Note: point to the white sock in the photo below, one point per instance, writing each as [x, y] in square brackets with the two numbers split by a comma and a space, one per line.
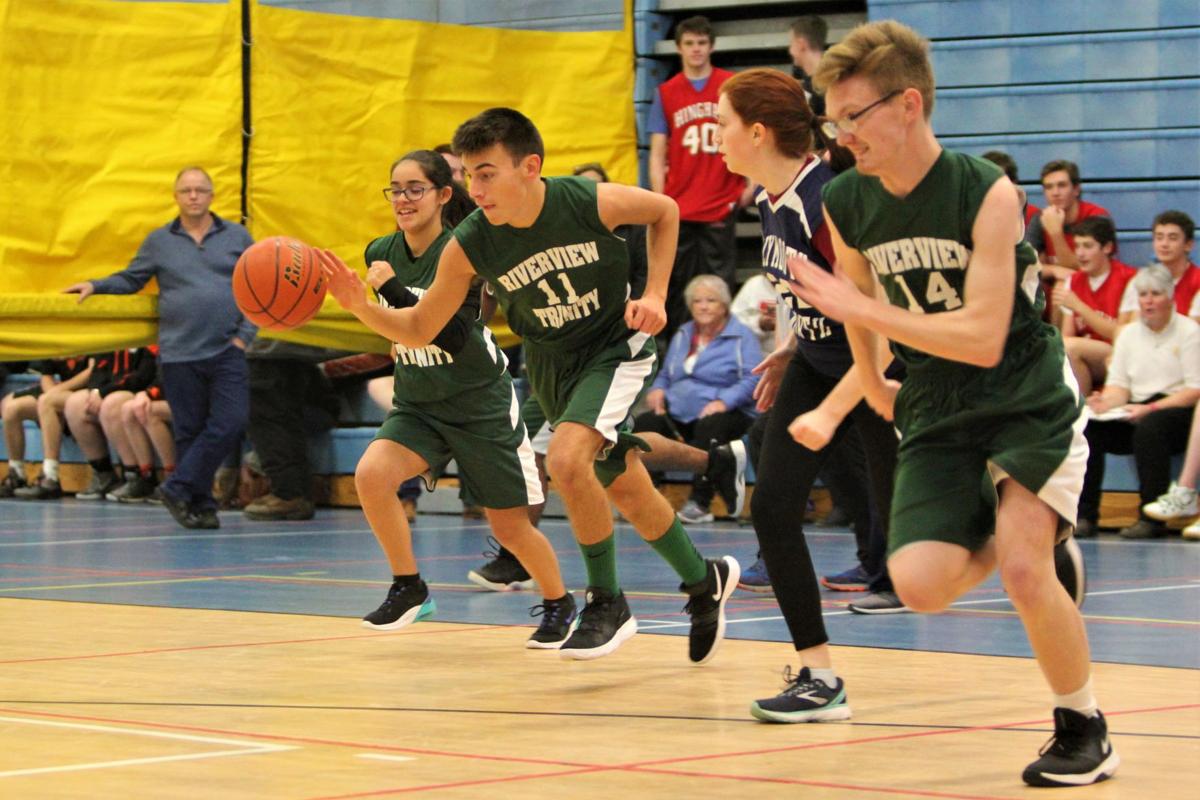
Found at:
[17, 465]
[1081, 700]
[825, 676]
[50, 469]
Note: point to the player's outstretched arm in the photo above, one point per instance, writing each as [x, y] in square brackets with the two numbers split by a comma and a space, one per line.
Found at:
[975, 332]
[410, 327]
[629, 205]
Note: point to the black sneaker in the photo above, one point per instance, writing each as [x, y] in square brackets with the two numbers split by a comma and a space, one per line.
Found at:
[805, 699]
[1068, 566]
[406, 603]
[98, 488]
[707, 607]
[503, 573]
[558, 620]
[12, 481]
[727, 472]
[206, 519]
[42, 489]
[180, 510]
[604, 624]
[134, 490]
[1077, 754]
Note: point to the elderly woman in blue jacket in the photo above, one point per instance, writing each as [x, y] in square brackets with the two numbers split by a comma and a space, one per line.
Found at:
[703, 394]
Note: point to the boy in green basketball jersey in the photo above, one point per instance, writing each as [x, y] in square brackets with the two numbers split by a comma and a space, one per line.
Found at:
[991, 459]
[546, 248]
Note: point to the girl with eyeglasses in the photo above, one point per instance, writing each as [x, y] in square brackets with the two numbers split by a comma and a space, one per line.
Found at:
[767, 132]
[453, 399]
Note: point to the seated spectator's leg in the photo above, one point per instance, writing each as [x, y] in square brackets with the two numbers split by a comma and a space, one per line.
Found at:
[14, 411]
[276, 425]
[1103, 438]
[1089, 361]
[649, 422]
[723, 427]
[668, 454]
[381, 390]
[113, 426]
[162, 437]
[1158, 436]
[50, 420]
[85, 426]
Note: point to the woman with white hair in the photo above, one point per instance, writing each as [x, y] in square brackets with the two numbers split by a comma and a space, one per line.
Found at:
[704, 392]
[1146, 405]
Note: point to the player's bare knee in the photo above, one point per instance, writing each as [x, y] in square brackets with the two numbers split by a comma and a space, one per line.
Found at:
[1025, 580]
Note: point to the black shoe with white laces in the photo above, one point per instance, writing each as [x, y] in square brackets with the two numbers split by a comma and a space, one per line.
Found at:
[406, 603]
[804, 699]
[558, 620]
[706, 605]
[1068, 566]
[727, 473]
[1078, 754]
[504, 573]
[604, 624]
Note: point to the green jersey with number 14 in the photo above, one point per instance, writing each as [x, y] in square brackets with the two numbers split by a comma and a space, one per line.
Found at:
[920, 245]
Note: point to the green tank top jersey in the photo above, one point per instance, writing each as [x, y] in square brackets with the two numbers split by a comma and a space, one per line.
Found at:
[429, 373]
[563, 282]
[920, 248]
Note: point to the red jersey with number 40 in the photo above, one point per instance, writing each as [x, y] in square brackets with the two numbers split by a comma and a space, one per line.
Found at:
[696, 175]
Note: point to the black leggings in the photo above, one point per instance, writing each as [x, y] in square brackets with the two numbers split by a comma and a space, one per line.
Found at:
[786, 472]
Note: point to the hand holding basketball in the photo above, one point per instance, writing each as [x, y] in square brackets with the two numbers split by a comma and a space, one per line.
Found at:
[278, 283]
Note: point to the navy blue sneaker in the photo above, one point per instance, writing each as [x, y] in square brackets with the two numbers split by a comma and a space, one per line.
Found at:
[755, 578]
[804, 699]
[854, 579]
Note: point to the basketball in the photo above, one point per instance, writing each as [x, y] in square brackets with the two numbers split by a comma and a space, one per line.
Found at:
[278, 283]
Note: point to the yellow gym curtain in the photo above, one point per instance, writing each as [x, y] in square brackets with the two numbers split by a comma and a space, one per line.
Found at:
[102, 101]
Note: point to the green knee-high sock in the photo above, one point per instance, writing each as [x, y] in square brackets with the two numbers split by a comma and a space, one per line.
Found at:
[601, 562]
[676, 548]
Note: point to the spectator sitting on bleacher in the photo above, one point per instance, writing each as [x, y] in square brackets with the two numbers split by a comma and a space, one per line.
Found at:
[1090, 300]
[1147, 401]
[60, 377]
[1179, 501]
[94, 411]
[1005, 162]
[50, 406]
[1174, 233]
[145, 431]
[1052, 233]
[704, 389]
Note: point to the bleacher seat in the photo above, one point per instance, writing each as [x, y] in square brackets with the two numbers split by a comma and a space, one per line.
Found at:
[967, 19]
[1068, 107]
[1122, 56]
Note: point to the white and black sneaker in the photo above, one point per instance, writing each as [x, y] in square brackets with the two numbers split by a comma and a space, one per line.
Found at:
[706, 605]
[406, 603]
[504, 573]
[1069, 567]
[727, 471]
[804, 699]
[98, 488]
[558, 621]
[604, 625]
[1079, 753]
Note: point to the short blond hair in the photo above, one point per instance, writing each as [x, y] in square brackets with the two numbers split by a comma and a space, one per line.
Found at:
[892, 56]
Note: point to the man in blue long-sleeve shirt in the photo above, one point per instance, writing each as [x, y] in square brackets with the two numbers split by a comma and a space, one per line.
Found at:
[202, 337]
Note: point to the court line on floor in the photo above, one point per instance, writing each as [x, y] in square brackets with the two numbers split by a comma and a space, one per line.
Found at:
[246, 748]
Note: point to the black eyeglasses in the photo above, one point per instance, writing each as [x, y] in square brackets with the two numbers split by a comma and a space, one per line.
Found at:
[414, 192]
[849, 123]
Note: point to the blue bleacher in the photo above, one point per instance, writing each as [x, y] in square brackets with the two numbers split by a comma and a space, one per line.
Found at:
[972, 19]
[1068, 107]
[1101, 155]
[1123, 56]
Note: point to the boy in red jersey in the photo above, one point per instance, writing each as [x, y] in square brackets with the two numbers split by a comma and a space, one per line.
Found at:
[1090, 300]
[685, 166]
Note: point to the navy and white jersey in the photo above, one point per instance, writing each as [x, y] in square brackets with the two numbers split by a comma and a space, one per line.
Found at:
[793, 223]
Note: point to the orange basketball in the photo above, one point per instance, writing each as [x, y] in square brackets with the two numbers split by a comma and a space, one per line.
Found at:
[278, 283]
